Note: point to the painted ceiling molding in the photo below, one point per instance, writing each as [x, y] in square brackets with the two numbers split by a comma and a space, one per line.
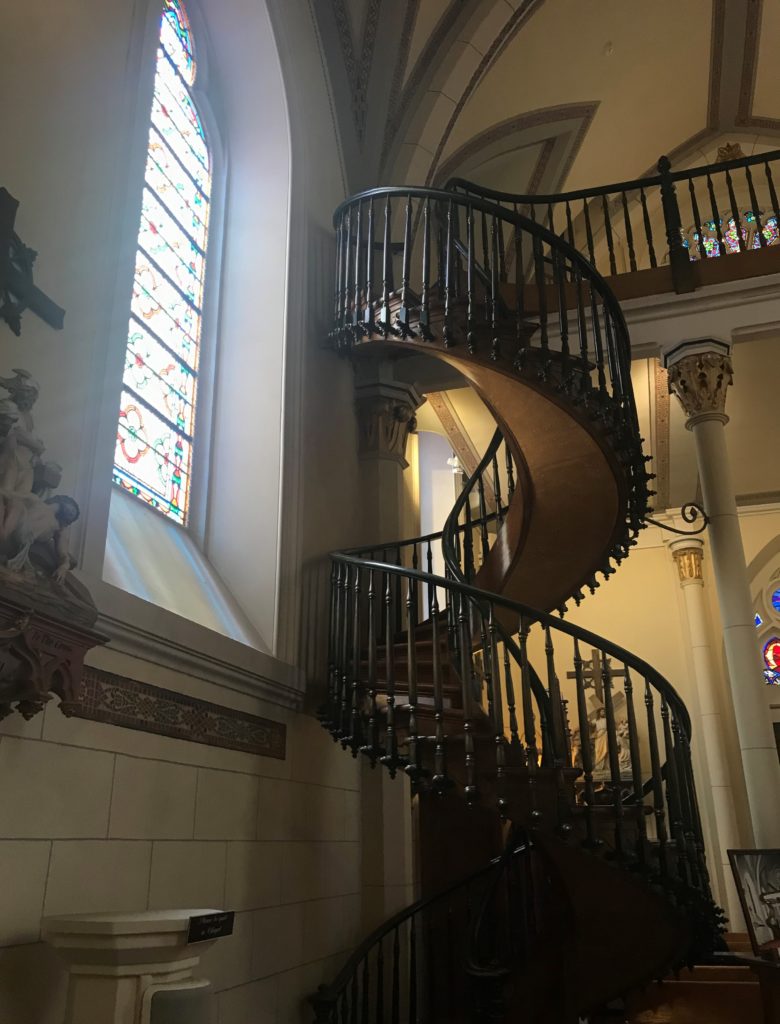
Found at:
[520, 17]
[434, 60]
[581, 114]
[745, 116]
[358, 69]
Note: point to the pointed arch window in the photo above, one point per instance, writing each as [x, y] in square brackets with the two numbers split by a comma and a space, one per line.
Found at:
[155, 436]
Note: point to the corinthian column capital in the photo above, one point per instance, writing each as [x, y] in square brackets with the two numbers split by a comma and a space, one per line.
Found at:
[699, 373]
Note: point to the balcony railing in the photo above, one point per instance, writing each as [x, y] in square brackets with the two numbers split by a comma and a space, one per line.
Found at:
[674, 218]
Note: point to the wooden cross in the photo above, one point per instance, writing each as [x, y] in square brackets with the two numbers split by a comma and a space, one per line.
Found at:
[592, 673]
[17, 291]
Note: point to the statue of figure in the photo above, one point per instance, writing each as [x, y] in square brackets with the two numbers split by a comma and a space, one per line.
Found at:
[624, 747]
[27, 519]
[600, 742]
[576, 749]
[27, 515]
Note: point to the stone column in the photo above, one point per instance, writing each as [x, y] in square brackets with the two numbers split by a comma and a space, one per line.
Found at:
[386, 411]
[687, 554]
[386, 417]
[699, 374]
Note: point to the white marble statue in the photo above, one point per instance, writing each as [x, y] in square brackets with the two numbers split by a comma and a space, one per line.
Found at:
[27, 515]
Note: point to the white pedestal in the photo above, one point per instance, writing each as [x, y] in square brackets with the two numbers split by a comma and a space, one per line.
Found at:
[118, 961]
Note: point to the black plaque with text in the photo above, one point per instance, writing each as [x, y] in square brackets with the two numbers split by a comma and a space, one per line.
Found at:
[210, 926]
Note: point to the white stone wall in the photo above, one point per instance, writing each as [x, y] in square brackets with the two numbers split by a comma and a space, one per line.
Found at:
[99, 818]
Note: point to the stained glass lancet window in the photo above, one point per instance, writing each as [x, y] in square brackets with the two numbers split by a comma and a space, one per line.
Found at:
[153, 456]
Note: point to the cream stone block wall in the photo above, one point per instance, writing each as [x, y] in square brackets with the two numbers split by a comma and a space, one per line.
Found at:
[99, 818]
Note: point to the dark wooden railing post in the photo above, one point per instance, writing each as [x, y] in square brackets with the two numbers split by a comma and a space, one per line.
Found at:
[679, 260]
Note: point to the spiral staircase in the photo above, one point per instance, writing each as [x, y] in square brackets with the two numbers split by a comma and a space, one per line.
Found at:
[473, 683]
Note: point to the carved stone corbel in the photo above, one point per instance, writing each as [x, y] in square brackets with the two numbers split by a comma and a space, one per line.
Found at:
[386, 417]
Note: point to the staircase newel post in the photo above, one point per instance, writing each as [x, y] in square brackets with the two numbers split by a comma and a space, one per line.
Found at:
[679, 259]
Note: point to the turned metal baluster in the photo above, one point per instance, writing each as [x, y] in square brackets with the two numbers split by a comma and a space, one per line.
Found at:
[391, 739]
[586, 750]
[449, 338]
[620, 386]
[541, 289]
[354, 997]
[425, 325]
[658, 790]
[398, 624]
[466, 676]
[756, 211]
[686, 809]
[636, 767]
[701, 861]
[373, 724]
[551, 219]
[588, 232]
[357, 328]
[395, 1006]
[559, 276]
[471, 338]
[673, 797]
[716, 216]
[497, 715]
[485, 250]
[648, 229]
[338, 304]
[529, 724]
[483, 530]
[772, 194]
[429, 570]
[597, 343]
[333, 643]
[356, 695]
[387, 271]
[510, 471]
[569, 226]
[412, 969]
[348, 263]
[735, 212]
[502, 274]
[519, 283]
[629, 232]
[608, 231]
[468, 544]
[614, 758]
[495, 349]
[380, 984]
[402, 317]
[368, 311]
[439, 779]
[497, 498]
[413, 767]
[697, 220]
[582, 333]
[364, 990]
[345, 687]
[554, 690]
[511, 706]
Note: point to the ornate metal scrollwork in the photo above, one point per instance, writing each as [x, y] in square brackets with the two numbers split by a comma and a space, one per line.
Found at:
[690, 513]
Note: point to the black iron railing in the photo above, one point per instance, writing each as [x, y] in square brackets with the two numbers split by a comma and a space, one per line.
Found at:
[674, 217]
[425, 266]
[426, 962]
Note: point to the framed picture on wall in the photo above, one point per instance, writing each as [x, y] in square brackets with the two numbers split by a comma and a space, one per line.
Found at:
[757, 875]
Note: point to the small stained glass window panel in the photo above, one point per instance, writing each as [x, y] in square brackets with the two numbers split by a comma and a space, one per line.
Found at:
[772, 661]
[153, 455]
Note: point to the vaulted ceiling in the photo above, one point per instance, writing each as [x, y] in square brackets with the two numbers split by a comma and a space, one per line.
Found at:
[538, 95]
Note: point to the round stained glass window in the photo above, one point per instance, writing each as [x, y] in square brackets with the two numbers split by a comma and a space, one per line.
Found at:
[776, 600]
[772, 661]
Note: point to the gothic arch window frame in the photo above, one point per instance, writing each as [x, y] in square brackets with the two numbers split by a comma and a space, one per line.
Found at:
[767, 622]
